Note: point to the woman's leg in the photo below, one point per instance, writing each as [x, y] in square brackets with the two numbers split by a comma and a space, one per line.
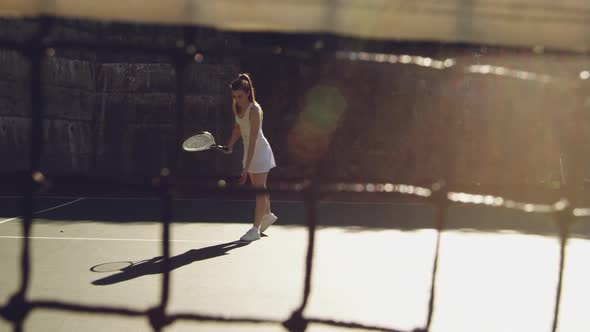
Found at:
[262, 200]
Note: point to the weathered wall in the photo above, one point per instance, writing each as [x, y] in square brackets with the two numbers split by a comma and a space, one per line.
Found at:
[410, 124]
[14, 106]
[111, 114]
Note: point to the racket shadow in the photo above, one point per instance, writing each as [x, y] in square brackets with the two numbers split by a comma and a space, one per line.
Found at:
[156, 265]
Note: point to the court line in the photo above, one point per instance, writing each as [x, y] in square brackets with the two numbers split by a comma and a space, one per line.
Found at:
[107, 239]
[49, 209]
[217, 200]
[44, 197]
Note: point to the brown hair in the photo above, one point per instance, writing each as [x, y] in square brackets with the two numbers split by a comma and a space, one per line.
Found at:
[244, 83]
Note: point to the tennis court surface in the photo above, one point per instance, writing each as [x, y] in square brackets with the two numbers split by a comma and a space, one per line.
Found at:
[497, 269]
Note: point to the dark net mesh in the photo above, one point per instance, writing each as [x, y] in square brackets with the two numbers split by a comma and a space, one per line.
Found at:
[319, 139]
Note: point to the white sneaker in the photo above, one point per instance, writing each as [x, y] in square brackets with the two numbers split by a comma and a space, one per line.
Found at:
[251, 235]
[267, 220]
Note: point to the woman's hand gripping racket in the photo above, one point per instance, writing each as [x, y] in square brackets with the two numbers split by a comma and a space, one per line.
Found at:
[203, 141]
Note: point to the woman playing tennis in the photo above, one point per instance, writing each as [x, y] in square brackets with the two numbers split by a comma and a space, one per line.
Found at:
[258, 157]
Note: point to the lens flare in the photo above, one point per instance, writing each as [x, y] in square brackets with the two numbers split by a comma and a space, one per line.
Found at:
[311, 136]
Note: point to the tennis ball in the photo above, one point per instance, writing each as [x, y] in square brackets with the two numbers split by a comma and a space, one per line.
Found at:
[221, 183]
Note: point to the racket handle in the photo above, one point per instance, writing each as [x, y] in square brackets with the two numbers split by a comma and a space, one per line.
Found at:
[222, 148]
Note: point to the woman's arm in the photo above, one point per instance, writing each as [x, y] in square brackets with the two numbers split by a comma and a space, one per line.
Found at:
[254, 128]
[235, 136]
[236, 133]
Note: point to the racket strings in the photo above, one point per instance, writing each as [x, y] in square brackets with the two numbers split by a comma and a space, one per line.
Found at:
[199, 142]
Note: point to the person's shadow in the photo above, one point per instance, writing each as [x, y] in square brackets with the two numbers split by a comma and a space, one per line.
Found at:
[156, 265]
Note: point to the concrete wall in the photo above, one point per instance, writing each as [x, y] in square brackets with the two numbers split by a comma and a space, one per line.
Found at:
[14, 111]
[111, 114]
[410, 124]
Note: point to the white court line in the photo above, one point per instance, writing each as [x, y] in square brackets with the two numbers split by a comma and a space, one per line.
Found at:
[218, 200]
[108, 239]
[52, 208]
[43, 197]
[253, 200]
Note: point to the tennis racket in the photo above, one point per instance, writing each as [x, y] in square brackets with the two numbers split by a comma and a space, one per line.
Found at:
[202, 141]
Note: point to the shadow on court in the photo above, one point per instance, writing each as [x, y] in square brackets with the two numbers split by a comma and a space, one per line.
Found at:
[155, 265]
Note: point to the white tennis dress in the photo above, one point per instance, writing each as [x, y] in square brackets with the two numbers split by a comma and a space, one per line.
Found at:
[263, 159]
